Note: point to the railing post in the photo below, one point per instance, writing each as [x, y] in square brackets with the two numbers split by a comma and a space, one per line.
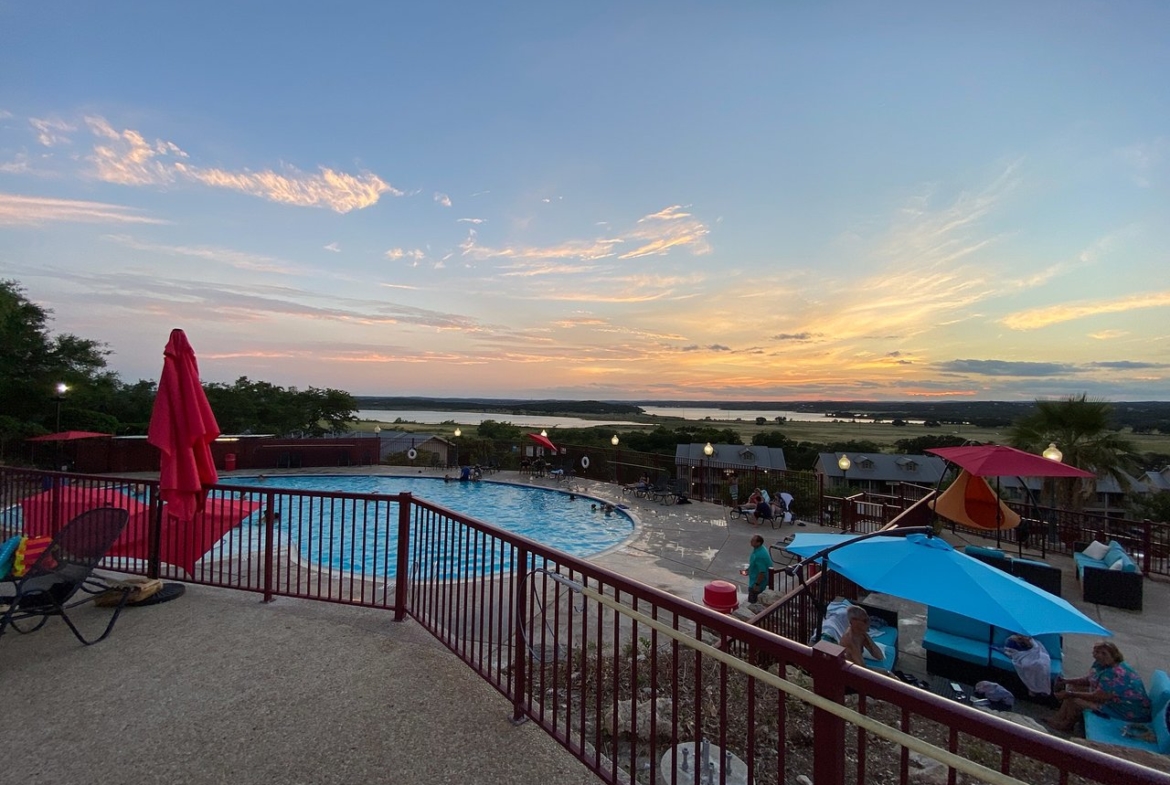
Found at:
[405, 501]
[1147, 546]
[519, 612]
[827, 662]
[269, 544]
[154, 532]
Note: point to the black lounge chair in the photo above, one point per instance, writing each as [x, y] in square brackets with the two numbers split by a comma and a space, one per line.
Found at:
[62, 572]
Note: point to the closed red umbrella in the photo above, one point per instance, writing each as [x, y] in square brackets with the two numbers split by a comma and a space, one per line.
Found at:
[182, 427]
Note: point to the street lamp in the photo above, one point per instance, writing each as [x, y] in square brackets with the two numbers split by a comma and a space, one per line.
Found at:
[615, 441]
[843, 463]
[61, 389]
[1052, 453]
[458, 433]
[705, 476]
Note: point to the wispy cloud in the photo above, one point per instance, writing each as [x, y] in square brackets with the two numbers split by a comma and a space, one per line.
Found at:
[226, 256]
[442, 199]
[1004, 368]
[1108, 335]
[394, 254]
[334, 247]
[127, 158]
[1036, 318]
[470, 220]
[36, 210]
[51, 132]
[667, 229]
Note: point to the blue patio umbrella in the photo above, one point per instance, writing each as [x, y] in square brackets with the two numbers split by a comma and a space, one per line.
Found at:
[929, 571]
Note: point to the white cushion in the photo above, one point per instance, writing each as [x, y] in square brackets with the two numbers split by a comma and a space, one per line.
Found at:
[1117, 565]
[1096, 550]
[869, 656]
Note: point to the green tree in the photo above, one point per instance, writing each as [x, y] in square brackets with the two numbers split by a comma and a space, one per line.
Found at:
[1082, 429]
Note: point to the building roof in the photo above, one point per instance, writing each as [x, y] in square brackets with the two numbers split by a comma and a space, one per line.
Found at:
[880, 467]
[738, 457]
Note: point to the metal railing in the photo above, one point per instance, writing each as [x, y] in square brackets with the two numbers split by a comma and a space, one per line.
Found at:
[632, 681]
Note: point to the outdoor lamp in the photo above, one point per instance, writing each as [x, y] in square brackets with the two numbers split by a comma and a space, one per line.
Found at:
[61, 389]
[544, 433]
[458, 433]
[614, 441]
[1052, 453]
[708, 450]
[843, 463]
[378, 431]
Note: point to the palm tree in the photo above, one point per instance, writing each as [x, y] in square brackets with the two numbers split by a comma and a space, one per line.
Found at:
[1080, 427]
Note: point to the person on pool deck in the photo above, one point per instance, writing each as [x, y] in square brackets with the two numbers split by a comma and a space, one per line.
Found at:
[762, 512]
[1111, 688]
[758, 566]
[847, 625]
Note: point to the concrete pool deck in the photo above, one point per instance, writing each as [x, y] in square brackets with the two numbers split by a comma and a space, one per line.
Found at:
[217, 686]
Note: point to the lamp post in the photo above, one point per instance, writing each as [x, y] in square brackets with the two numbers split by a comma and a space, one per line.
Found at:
[708, 451]
[60, 389]
[1052, 453]
[378, 438]
[458, 433]
[615, 441]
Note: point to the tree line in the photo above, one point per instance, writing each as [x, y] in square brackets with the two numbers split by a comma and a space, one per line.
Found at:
[33, 362]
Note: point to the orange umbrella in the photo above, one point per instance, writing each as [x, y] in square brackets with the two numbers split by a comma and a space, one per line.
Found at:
[971, 502]
[182, 427]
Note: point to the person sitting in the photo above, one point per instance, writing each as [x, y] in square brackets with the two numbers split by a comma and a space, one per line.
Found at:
[755, 498]
[1032, 662]
[847, 625]
[1111, 687]
[762, 512]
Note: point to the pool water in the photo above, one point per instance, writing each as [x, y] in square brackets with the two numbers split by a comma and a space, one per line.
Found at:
[548, 516]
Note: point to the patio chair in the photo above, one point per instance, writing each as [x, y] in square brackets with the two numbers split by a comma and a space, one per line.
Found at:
[64, 570]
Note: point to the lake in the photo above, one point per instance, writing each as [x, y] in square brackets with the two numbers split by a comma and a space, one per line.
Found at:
[697, 413]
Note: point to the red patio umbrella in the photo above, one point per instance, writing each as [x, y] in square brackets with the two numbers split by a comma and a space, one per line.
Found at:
[993, 460]
[182, 427]
[48, 511]
[184, 543]
[543, 441]
[67, 436]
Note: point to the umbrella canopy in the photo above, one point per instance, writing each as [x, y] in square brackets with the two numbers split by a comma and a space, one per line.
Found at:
[67, 436]
[929, 571]
[182, 427]
[971, 502]
[45, 513]
[993, 460]
[543, 441]
[184, 543]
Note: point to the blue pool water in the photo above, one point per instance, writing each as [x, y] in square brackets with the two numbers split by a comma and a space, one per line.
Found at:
[548, 516]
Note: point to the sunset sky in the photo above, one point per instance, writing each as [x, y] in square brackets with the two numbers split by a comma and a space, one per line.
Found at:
[689, 200]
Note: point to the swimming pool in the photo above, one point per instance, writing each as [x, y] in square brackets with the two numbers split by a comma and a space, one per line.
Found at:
[554, 518]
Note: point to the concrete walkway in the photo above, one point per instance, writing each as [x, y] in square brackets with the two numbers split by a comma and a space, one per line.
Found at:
[217, 686]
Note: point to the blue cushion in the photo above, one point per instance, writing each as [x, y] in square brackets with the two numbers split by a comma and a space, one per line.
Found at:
[956, 646]
[979, 550]
[1113, 555]
[956, 624]
[1128, 564]
[1114, 731]
[8, 554]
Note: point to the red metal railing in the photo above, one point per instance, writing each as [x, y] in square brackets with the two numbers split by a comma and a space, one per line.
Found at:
[625, 677]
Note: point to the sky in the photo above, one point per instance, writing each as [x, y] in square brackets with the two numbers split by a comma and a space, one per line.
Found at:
[621, 201]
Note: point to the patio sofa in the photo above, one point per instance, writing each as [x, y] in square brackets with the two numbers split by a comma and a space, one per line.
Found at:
[970, 651]
[1153, 736]
[1111, 579]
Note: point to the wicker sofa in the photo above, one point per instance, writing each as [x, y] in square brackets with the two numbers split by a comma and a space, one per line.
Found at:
[1102, 583]
[1037, 573]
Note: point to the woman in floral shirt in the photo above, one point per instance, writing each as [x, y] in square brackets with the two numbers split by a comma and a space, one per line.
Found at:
[1112, 688]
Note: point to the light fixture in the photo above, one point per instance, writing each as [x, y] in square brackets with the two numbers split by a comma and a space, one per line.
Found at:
[708, 450]
[614, 441]
[544, 433]
[62, 388]
[1052, 453]
[843, 463]
[458, 433]
[377, 429]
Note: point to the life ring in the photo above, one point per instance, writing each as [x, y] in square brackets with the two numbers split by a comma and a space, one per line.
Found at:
[412, 453]
[585, 462]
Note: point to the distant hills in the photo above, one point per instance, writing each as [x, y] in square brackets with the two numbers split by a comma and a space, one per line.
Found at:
[1141, 416]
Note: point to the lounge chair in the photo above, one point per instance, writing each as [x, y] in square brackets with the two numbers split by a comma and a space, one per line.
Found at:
[63, 571]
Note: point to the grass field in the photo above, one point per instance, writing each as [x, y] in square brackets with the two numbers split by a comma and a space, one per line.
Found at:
[826, 432]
